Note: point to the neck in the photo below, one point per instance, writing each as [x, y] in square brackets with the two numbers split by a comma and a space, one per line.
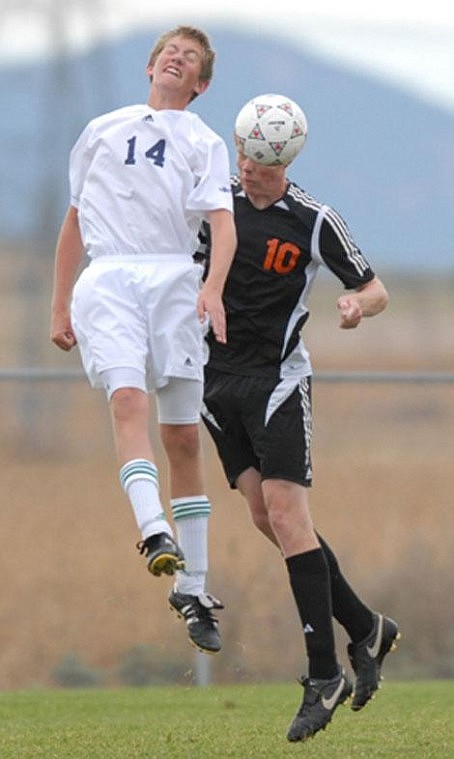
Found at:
[161, 99]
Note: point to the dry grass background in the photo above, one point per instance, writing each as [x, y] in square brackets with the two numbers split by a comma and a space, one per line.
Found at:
[382, 496]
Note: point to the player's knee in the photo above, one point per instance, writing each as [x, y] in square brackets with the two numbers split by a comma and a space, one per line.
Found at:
[278, 509]
[181, 440]
[278, 519]
[127, 402]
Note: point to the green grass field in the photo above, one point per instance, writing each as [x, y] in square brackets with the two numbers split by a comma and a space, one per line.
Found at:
[414, 720]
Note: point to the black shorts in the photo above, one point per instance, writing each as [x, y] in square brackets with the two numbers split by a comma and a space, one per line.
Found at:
[256, 422]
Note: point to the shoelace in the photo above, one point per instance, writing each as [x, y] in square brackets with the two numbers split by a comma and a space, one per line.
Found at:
[141, 547]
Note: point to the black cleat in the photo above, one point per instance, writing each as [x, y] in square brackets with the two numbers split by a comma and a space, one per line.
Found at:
[367, 657]
[162, 554]
[321, 697]
[197, 611]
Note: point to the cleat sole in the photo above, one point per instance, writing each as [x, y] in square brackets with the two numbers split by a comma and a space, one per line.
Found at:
[166, 563]
[208, 651]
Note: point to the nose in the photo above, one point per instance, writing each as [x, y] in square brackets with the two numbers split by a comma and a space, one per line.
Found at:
[177, 57]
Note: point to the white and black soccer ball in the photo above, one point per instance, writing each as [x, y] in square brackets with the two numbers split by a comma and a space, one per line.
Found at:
[270, 129]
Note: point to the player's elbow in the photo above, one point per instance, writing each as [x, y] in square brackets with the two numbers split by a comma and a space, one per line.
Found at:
[376, 297]
[382, 298]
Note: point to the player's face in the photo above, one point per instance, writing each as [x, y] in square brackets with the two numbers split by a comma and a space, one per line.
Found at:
[178, 66]
[255, 177]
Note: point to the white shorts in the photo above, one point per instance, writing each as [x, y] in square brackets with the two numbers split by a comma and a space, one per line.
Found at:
[139, 314]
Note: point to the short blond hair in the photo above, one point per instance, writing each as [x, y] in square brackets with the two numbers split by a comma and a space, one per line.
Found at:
[192, 33]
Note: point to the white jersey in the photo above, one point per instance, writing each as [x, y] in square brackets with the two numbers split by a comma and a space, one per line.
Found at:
[143, 180]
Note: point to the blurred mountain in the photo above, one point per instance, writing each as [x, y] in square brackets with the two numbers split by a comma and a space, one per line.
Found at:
[380, 156]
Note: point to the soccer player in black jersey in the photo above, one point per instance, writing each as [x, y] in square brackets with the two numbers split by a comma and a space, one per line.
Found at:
[258, 412]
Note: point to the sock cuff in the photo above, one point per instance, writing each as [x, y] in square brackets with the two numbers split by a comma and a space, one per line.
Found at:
[190, 506]
[138, 469]
[309, 562]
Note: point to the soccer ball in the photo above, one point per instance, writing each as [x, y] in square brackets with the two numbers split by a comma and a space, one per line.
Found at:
[270, 129]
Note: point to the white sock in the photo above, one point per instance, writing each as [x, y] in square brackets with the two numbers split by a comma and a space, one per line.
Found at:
[191, 522]
[140, 481]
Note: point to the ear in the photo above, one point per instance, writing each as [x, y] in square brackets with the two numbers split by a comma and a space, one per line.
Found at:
[200, 87]
[149, 70]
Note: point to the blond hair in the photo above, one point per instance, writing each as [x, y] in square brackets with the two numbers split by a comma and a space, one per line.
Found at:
[189, 32]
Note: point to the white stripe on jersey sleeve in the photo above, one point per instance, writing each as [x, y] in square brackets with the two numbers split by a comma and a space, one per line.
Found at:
[342, 231]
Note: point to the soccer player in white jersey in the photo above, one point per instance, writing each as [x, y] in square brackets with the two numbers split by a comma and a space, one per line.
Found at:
[142, 179]
[258, 412]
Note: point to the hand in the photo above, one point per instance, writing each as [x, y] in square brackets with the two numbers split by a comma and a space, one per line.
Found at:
[350, 311]
[61, 333]
[210, 303]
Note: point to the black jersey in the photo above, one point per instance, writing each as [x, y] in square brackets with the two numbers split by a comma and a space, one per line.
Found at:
[280, 249]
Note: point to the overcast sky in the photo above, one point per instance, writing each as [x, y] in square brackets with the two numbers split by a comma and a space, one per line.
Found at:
[411, 43]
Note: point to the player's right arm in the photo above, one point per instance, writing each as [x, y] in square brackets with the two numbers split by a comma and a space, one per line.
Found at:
[68, 257]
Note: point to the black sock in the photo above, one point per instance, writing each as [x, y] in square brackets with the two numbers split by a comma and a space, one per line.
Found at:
[310, 583]
[348, 609]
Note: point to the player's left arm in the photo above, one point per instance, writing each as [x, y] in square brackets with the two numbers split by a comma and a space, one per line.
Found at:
[223, 245]
[368, 300]
[366, 295]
